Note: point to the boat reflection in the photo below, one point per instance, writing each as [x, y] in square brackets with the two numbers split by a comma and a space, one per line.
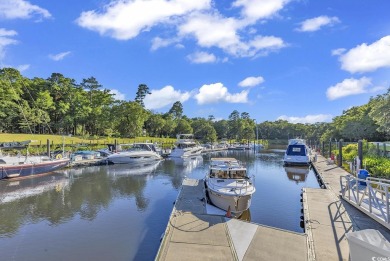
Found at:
[24, 188]
[188, 164]
[297, 174]
[133, 169]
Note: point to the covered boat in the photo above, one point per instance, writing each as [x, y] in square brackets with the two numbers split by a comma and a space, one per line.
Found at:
[12, 166]
[297, 153]
[228, 185]
[186, 146]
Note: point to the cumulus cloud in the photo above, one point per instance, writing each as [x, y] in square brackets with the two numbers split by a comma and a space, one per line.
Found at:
[124, 20]
[307, 118]
[117, 95]
[213, 30]
[367, 58]
[315, 24]
[20, 9]
[348, 87]
[185, 19]
[259, 9]
[59, 56]
[23, 67]
[339, 51]
[5, 40]
[251, 81]
[202, 57]
[165, 96]
[216, 92]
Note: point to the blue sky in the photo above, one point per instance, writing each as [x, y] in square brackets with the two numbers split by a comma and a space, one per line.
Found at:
[300, 60]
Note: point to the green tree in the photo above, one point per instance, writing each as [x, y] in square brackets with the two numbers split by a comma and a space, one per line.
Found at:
[130, 118]
[142, 91]
[176, 110]
[380, 112]
[183, 126]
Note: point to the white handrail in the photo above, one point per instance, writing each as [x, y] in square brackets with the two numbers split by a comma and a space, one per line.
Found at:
[370, 195]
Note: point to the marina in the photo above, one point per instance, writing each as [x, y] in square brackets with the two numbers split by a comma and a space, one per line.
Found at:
[123, 212]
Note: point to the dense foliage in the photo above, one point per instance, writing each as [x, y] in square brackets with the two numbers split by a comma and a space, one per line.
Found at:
[60, 105]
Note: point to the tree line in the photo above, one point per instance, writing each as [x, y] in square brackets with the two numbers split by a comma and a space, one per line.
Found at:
[60, 105]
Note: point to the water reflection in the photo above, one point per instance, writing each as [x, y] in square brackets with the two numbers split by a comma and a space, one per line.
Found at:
[297, 174]
[125, 209]
[132, 169]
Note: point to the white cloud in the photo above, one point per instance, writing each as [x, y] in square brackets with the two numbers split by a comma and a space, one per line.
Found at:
[124, 20]
[339, 51]
[260, 9]
[213, 30]
[117, 95]
[348, 87]
[216, 92]
[158, 42]
[59, 56]
[251, 81]
[202, 57]
[315, 24]
[163, 97]
[5, 40]
[23, 67]
[367, 58]
[307, 118]
[14, 9]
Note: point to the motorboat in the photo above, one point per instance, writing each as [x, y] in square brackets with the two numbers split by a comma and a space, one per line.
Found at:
[228, 185]
[186, 146]
[297, 153]
[136, 153]
[12, 166]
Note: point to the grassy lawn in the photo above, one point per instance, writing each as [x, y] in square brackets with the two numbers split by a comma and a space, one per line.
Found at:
[41, 139]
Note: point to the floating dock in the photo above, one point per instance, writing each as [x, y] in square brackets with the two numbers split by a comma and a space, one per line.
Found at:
[193, 233]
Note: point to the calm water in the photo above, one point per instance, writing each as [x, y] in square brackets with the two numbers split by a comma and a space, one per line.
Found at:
[117, 213]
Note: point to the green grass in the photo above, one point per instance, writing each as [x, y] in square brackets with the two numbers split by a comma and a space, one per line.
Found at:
[75, 143]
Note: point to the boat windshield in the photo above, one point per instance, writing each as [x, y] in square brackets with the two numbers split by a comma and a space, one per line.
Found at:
[296, 150]
[140, 146]
[228, 174]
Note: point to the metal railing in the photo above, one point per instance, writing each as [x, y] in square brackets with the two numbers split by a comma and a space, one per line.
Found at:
[371, 196]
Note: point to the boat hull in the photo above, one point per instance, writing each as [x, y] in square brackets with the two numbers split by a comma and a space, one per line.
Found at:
[237, 204]
[123, 158]
[23, 170]
[185, 153]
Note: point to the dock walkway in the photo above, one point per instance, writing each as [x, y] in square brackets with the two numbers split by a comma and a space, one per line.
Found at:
[328, 218]
[192, 234]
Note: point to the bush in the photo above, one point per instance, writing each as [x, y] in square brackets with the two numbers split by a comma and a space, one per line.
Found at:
[378, 166]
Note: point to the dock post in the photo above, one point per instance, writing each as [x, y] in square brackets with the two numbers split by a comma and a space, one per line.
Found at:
[48, 147]
[360, 154]
[340, 157]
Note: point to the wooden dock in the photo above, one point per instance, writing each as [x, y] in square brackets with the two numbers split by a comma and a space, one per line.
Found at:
[192, 234]
[328, 218]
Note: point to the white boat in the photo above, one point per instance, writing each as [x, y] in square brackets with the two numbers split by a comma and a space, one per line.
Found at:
[186, 146]
[25, 165]
[229, 186]
[297, 153]
[137, 153]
